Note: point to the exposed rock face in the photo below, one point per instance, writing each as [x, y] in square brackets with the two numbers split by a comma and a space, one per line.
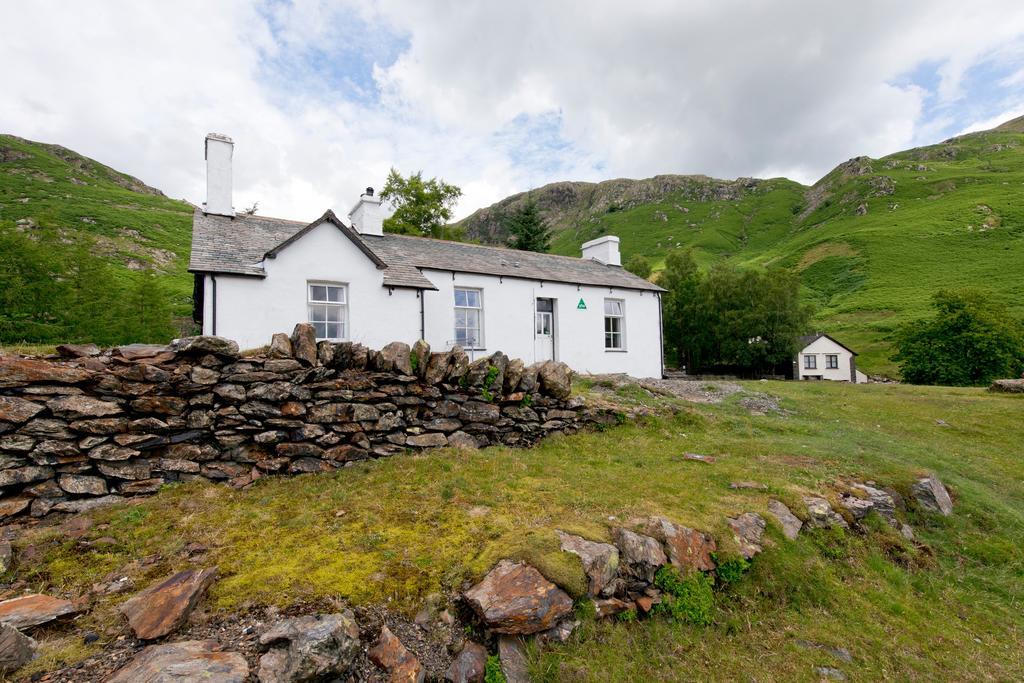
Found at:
[747, 530]
[389, 654]
[821, 515]
[304, 344]
[17, 649]
[185, 661]
[881, 501]
[790, 523]
[163, 607]
[309, 648]
[468, 666]
[515, 598]
[640, 555]
[687, 548]
[203, 344]
[33, 610]
[932, 496]
[600, 560]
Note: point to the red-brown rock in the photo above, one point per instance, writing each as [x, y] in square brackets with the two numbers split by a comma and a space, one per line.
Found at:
[17, 410]
[76, 407]
[16, 372]
[401, 665]
[515, 598]
[189, 660]
[162, 608]
[469, 666]
[33, 610]
[687, 548]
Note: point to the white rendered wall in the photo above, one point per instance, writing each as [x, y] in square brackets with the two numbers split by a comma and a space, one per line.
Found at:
[508, 322]
[250, 309]
[820, 348]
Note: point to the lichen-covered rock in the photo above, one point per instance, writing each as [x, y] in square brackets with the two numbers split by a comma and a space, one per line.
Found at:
[81, 407]
[600, 560]
[790, 523]
[280, 346]
[83, 485]
[396, 356]
[859, 508]
[304, 344]
[188, 660]
[458, 365]
[515, 598]
[24, 475]
[820, 514]
[419, 357]
[688, 549]
[640, 556]
[203, 344]
[555, 379]
[932, 495]
[513, 375]
[163, 607]
[882, 502]
[18, 410]
[391, 655]
[748, 530]
[315, 647]
[1009, 386]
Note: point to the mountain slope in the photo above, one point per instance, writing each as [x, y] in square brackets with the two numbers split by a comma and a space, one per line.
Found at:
[872, 240]
[87, 251]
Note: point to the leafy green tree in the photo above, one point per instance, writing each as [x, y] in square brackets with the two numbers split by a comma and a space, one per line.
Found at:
[971, 340]
[526, 230]
[421, 207]
[639, 266]
[684, 338]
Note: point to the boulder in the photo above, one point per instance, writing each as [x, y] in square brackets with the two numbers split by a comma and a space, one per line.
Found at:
[600, 560]
[203, 344]
[747, 531]
[304, 344]
[33, 610]
[163, 607]
[515, 598]
[555, 379]
[395, 357]
[513, 375]
[857, 507]
[314, 647]
[790, 523]
[419, 357]
[17, 649]
[512, 654]
[1009, 386]
[437, 367]
[389, 654]
[78, 350]
[468, 666]
[17, 410]
[820, 514]
[687, 548]
[187, 660]
[80, 407]
[641, 556]
[280, 346]
[882, 502]
[16, 371]
[932, 496]
[82, 485]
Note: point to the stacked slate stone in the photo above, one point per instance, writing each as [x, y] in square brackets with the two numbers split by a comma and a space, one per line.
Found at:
[94, 426]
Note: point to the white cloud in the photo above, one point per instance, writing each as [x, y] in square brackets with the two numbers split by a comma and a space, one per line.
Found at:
[323, 97]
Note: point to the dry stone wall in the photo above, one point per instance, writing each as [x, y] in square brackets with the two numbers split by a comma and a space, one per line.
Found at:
[94, 426]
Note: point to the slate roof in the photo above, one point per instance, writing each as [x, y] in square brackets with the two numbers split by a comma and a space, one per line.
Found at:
[808, 339]
[224, 245]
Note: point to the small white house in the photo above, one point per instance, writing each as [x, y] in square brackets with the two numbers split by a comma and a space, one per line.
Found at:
[822, 357]
[255, 276]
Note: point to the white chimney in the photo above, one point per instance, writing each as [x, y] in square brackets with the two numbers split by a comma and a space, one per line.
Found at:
[219, 149]
[603, 249]
[367, 217]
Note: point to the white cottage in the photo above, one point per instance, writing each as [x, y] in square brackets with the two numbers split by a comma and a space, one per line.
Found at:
[822, 357]
[255, 276]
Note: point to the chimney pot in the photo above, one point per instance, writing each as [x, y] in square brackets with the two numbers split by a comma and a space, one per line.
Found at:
[369, 192]
[367, 217]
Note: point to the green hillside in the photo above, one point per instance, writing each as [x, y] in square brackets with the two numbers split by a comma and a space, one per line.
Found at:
[86, 252]
[872, 240]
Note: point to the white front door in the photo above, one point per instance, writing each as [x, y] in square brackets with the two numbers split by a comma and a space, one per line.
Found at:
[544, 330]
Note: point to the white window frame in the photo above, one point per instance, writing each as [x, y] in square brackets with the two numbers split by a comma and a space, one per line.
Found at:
[829, 358]
[479, 345]
[810, 361]
[340, 306]
[622, 325]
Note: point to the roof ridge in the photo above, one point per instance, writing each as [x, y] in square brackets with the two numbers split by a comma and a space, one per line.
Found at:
[490, 246]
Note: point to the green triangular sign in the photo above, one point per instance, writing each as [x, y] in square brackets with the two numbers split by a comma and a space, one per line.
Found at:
[581, 305]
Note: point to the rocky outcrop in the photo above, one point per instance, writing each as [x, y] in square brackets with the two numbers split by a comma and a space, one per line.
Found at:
[189, 660]
[515, 598]
[600, 560]
[748, 530]
[820, 514]
[1008, 386]
[641, 556]
[688, 549]
[790, 523]
[309, 648]
[931, 495]
[126, 421]
[163, 607]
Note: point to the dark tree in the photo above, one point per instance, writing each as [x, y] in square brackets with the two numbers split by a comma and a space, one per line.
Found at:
[526, 230]
[639, 266]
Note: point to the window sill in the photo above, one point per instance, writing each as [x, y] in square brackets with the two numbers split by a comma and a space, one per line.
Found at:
[616, 350]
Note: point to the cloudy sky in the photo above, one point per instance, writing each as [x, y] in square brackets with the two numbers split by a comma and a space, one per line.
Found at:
[323, 96]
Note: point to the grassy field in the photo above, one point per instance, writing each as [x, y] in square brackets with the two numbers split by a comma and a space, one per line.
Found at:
[395, 530]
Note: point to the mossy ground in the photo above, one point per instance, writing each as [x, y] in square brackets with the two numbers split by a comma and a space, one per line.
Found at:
[394, 530]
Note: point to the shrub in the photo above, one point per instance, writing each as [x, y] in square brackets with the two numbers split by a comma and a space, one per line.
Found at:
[686, 599]
[730, 569]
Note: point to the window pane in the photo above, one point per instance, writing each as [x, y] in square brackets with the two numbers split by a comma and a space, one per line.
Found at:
[317, 293]
[473, 319]
[317, 313]
[460, 297]
[333, 313]
[333, 330]
[545, 305]
[473, 298]
[321, 330]
[612, 307]
[336, 294]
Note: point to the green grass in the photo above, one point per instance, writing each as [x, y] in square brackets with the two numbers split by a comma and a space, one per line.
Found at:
[957, 223]
[393, 531]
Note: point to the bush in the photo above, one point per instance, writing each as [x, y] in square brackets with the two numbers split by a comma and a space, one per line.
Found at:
[730, 569]
[639, 266]
[492, 671]
[686, 599]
